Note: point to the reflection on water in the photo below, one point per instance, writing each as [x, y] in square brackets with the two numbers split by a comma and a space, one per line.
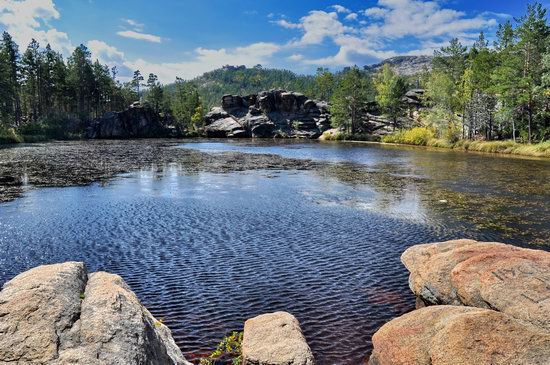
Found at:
[205, 247]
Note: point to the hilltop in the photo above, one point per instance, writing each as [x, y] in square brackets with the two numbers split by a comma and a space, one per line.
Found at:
[241, 80]
[404, 65]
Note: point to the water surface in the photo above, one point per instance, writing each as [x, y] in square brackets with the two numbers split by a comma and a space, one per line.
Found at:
[211, 233]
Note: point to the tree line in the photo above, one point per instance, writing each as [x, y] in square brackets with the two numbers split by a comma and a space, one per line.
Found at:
[41, 92]
[498, 91]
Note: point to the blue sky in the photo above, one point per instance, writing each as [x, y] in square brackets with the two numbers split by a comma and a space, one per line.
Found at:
[188, 37]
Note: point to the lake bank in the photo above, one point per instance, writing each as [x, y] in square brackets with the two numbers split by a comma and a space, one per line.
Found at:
[480, 147]
[188, 224]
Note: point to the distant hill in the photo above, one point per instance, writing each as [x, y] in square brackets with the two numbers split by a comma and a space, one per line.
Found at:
[404, 65]
[240, 80]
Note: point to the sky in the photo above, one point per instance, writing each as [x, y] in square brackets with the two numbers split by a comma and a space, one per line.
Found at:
[185, 38]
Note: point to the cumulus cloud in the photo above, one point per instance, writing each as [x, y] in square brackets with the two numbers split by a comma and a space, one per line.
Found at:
[340, 9]
[202, 60]
[28, 19]
[422, 19]
[140, 36]
[319, 25]
[426, 25]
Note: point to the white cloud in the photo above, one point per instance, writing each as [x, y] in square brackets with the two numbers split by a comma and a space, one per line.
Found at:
[352, 16]
[286, 24]
[137, 26]
[296, 57]
[319, 25]
[28, 19]
[340, 9]
[422, 19]
[202, 60]
[105, 53]
[140, 36]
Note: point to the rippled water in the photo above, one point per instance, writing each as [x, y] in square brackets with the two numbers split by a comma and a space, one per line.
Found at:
[206, 248]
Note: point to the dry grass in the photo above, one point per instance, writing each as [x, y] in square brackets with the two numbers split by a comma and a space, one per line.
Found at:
[424, 137]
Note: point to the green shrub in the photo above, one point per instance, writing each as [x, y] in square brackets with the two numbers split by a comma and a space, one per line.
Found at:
[46, 129]
[231, 346]
[417, 136]
[9, 135]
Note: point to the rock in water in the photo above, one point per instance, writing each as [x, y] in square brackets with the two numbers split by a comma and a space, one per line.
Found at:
[451, 335]
[274, 113]
[58, 314]
[275, 339]
[135, 122]
[505, 278]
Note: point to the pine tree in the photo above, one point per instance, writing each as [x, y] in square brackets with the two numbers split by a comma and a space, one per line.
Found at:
[533, 34]
[155, 92]
[136, 82]
[11, 80]
[81, 80]
[349, 99]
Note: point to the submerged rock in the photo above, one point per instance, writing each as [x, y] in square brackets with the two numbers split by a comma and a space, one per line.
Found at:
[275, 339]
[274, 113]
[450, 335]
[58, 314]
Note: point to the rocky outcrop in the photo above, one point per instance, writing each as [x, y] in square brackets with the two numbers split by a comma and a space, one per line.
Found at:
[404, 65]
[274, 113]
[275, 339]
[138, 121]
[488, 303]
[505, 278]
[450, 335]
[58, 314]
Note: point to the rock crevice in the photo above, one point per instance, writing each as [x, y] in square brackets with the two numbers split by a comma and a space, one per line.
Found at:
[487, 304]
[274, 113]
[58, 314]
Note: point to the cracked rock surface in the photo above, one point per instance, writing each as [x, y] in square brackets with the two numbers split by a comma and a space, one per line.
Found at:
[488, 304]
[58, 314]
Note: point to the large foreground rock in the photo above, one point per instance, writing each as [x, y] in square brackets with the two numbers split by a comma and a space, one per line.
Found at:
[490, 275]
[274, 113]
[451, 335]
[275, 339]
[58, 314]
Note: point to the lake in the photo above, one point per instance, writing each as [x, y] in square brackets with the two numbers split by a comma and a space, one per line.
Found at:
[209, 233]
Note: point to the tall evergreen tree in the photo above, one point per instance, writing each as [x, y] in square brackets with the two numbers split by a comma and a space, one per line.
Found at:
[349, 99]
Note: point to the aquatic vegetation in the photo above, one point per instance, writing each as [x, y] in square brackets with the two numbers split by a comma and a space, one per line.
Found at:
[230, 348]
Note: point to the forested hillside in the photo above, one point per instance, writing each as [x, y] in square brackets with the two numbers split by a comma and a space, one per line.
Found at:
[239, 80]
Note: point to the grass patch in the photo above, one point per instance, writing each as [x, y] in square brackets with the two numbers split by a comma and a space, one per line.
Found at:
[343, 136]
[417, 136]
[425, 137]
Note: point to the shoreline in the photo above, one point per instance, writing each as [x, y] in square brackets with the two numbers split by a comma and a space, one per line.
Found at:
[545, 156]
[446, 149]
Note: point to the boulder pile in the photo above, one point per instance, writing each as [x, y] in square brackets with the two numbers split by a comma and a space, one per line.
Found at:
[274, 113]
[479, 303]
[60, 314]
[138, 121]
